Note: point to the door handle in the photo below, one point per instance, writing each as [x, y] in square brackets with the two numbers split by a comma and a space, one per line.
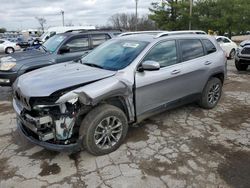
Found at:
[208, 63]
[176, 71]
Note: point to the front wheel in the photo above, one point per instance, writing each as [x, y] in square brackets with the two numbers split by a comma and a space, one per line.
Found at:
[211, 93]
[103, 129]
[239, 66]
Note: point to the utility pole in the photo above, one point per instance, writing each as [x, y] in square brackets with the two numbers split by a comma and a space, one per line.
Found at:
[190, 14]
[136, 14]
[62, 12]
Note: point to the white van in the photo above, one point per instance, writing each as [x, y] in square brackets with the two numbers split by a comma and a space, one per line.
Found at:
[56, 30]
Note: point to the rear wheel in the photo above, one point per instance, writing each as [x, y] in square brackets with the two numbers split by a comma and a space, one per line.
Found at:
[211, 93]
[9, 50]
[103, 129]
[232, 54]
[239, 66]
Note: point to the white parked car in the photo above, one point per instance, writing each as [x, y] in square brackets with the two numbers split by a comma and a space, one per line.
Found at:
[8, 47]
[227, 45]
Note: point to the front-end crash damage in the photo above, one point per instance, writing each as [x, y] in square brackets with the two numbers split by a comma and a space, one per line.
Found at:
[53, 123]
[57, 120]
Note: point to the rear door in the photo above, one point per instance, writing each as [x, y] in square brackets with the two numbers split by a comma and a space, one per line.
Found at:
[78, 46]
[195, 67]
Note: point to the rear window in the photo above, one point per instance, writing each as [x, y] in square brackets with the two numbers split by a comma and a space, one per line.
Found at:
[191, 49]
[210, 48]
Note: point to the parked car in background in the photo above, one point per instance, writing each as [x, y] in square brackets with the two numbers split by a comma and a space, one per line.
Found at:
[58, 49]
[90, 104]
[57, 30]
[242, 58]
[8, 47]
[227, 45]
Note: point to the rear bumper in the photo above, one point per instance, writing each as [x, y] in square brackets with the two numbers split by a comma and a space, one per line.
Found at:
[7, 78]
[27, 130]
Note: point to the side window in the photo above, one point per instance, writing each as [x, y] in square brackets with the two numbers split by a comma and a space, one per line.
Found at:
[225, 40]
[219, 40]
[52, 34]
[191, 49]
[78, 44]
[164, 53]
[1, 41]
[98, 39]
[209, 46]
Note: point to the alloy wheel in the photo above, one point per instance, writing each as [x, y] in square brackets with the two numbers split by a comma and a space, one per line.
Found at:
[214, 93]
[108, 132]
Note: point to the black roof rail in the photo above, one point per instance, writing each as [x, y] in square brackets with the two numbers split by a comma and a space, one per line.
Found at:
[92, 30]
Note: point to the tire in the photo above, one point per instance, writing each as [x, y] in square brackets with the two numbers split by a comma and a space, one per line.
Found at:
[96, 123]
[9, 50]
[232, 54]
[211, 94]
[240, 67]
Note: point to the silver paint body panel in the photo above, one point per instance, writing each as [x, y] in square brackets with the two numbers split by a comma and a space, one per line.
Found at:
[142, 91]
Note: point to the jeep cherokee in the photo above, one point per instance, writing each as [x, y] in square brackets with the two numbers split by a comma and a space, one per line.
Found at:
[89, 104]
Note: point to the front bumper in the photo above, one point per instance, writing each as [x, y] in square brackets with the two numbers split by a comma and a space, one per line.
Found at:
[54, 147]
[27, 130]
[7, 78]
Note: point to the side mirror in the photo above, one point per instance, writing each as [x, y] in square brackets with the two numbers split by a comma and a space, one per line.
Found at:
[150, 66]
[64, 49]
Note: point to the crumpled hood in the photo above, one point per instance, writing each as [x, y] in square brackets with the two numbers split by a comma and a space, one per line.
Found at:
[43, 82]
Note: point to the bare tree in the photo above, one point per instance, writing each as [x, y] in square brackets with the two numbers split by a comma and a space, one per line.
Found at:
[129, 22]
[42, 22]
[115, 21]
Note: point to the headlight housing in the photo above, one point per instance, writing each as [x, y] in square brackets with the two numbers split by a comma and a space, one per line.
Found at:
[5, 66]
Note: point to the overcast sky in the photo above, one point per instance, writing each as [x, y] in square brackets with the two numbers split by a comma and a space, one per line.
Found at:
[20, 14]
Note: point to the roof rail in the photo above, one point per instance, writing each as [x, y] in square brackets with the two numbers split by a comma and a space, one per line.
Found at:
[89, 30]
[198, 32]
[154, 32]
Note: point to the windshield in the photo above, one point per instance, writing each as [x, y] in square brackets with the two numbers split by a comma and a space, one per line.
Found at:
[115, 54]
[52, 43]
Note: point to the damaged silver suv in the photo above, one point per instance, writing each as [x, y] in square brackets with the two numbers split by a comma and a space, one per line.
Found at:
[90, 103]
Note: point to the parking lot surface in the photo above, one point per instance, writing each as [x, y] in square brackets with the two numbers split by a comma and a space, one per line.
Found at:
[184, 147]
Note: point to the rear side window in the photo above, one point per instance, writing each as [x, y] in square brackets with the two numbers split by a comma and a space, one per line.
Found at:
[210, 48]
[191, 49]
[78, 44]
[222, 40]
[98, 39]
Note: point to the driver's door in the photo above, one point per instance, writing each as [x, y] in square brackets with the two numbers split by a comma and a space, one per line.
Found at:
[78, 46]
[155, 88]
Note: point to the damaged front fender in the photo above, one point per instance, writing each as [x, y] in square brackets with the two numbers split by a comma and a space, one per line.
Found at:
[96, 92]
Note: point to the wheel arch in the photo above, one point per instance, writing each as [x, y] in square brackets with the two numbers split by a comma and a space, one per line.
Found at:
[119, 102]
[219, 75]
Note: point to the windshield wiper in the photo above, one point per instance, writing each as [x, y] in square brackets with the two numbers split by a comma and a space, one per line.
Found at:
[93, 65]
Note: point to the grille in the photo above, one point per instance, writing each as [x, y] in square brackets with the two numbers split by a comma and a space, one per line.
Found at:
[43, 100]
[245, 51]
